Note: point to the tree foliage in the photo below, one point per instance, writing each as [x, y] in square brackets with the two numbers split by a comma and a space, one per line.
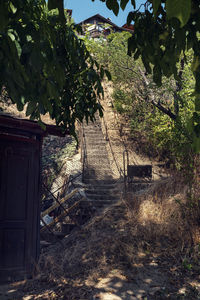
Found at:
[159, 124]
[44, 65]
[163, 32]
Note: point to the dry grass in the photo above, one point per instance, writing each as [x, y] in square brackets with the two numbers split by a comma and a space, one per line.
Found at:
[147, 223]
[142, 229]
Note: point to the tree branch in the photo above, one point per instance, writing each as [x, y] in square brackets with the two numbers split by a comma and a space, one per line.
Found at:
[151, 97]
[166, 111]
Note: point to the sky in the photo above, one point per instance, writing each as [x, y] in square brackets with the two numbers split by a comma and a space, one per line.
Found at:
[83, 9]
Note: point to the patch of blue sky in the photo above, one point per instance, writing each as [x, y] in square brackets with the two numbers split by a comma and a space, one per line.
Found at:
[83, 9]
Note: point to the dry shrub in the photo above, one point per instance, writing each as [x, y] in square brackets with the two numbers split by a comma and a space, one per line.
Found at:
[119, 237]
[159, 212]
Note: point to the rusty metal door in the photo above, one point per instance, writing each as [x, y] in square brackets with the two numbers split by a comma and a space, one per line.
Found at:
[19, 206]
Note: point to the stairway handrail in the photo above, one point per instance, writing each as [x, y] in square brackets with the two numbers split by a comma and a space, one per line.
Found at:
[83, 151]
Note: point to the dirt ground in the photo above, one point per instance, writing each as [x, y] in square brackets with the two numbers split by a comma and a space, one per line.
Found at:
[143, 247]
[140, 248]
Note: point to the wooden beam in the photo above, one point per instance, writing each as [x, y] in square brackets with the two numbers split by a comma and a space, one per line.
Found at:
[62, 215]
[50, 209]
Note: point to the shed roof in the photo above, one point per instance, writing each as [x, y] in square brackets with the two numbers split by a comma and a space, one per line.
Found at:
[8, 121]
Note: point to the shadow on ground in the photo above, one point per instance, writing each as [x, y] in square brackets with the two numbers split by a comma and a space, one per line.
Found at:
[136, 249]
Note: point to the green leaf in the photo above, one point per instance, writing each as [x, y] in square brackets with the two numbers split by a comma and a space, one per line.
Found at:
[156, 4]
[197, 130]
[12, 37]
[18, 79]
[137, 54]
[113, 5]
[30, 108]
[157, 75]
[197, 103]
[130, 17]
[123, 4]
[196, 118]
[195, 63]
[102, 73]
[18, 48]
[42, 125]
[52, 4]
[13, 8]
[133, 3]
[197, 83]
[179, 9]
[108, 75]
[20, 106]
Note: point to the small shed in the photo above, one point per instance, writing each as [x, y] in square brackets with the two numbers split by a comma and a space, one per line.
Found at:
[20, 182]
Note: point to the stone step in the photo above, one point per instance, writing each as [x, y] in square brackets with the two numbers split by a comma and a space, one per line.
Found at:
[101, 146]
[94, 134]
[96, 143]
[102, 161]
[96, 168]
[92, 127]
[93, 131]
[97, 203]
[93, 163]
[101, 182]
[93, 169]
[93, 156]
[97, 177]
[92, 144]
[97, 149]
[102, 192]
[108, 187]
[94, 137]
[101, 189]
[99, 155]
[95, 152]
[100, 197]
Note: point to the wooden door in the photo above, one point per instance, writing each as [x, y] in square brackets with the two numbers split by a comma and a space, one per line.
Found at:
[19, 206]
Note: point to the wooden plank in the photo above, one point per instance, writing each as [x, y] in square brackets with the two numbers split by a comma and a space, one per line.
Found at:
[46, 225]
[62, 215]
[50, 209]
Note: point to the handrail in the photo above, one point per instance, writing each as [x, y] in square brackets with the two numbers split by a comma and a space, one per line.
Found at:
[125, 159]
[83, 152]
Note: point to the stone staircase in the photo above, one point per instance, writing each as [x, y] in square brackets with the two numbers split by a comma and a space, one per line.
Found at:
[101, 188]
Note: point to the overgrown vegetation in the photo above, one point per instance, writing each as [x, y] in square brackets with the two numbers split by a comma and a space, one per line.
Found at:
[164, 30]
[153, 112]
[144, 246]
[159, 118]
